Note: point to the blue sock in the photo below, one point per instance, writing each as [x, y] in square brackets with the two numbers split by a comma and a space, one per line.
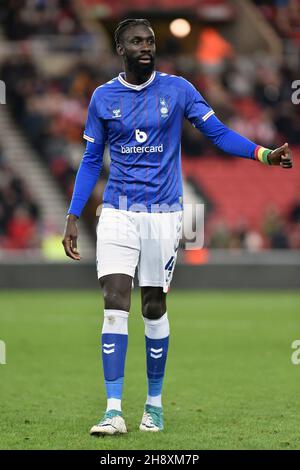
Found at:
[157, 343]
[114, 348]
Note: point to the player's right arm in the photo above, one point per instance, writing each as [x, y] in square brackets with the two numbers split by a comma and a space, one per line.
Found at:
[86, 177]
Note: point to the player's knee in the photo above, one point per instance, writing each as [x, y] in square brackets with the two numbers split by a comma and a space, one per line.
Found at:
[153, 310]
[114, 300]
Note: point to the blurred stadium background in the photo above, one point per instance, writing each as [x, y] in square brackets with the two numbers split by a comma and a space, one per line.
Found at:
[243, 56]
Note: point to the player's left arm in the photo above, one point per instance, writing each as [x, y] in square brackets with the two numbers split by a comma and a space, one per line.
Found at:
[202, 116]
[235, 144]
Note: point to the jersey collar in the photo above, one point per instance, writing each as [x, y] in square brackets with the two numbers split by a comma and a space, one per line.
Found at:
[136, 87]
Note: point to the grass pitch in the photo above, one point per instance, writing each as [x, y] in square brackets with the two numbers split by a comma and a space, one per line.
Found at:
[230, 383]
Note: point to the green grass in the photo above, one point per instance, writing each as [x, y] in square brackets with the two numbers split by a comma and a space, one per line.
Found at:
[230, 383]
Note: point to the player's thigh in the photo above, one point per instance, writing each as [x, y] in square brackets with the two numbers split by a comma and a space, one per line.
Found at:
[118, 244]
[159, 249]
[116, 291]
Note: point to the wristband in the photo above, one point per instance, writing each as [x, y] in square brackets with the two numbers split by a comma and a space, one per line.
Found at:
[261, 154]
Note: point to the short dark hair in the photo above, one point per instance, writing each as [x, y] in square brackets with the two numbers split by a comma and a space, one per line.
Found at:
[128, 23]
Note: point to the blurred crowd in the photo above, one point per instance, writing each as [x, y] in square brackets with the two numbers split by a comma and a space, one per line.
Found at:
[251, 94]
[283, 14]
[51, 112]
[23, 19]
[277, 232]
[19, 213]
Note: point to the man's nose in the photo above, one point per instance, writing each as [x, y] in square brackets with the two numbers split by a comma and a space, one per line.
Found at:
[145, 46]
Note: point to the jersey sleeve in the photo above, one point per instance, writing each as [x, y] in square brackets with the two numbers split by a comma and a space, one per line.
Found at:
[94, 128]
[86, 177]
[197, 110]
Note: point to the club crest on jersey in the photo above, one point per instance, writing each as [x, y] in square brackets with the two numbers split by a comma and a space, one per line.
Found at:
[164, 111]
[116, 113]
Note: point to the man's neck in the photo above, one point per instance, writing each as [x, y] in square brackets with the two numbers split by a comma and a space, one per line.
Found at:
[137, 79]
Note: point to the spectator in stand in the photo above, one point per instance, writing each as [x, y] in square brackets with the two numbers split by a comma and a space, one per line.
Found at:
[21, 230]
[294, 215]
[213, 50]
[274, 229]
[287, 15]
[253, 122]
[253, 241]
[19, 214]
[24, 18]
[294, 237]
[279, 239]
[284, 14]
[220, 236]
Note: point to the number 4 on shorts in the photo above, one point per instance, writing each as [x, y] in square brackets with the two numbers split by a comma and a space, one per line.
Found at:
[170, 264]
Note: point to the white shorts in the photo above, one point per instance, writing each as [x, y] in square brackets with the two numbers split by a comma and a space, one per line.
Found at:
[149, 241]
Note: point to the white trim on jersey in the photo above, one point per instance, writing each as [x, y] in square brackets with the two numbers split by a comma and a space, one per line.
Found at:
[136, 87]
[207, 115]
[90, 139]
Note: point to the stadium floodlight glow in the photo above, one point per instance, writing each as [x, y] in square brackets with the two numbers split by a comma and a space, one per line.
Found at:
[180, 28]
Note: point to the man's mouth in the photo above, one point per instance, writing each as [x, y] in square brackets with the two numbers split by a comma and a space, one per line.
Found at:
[145, 59]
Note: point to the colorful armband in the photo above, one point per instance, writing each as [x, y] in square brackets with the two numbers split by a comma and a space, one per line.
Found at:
[261, 154]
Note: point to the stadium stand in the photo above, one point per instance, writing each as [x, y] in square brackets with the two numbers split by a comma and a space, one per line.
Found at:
[23, 19]
[51, 112]
[20, 216]
[249, 92]
[252, 94]
[216, 10]
[284, 15]
[231, 185]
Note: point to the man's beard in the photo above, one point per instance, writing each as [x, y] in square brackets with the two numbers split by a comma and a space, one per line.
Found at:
[138, 68]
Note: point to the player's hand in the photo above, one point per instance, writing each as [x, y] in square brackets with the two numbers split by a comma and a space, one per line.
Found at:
[70, 238]
[281, 156]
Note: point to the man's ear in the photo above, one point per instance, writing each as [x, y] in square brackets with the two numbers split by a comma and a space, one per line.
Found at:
[120, 49]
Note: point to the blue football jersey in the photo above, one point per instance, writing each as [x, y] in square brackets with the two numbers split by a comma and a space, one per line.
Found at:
[142, 124]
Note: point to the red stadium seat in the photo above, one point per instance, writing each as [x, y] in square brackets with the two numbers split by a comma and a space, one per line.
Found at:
[239, 188]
